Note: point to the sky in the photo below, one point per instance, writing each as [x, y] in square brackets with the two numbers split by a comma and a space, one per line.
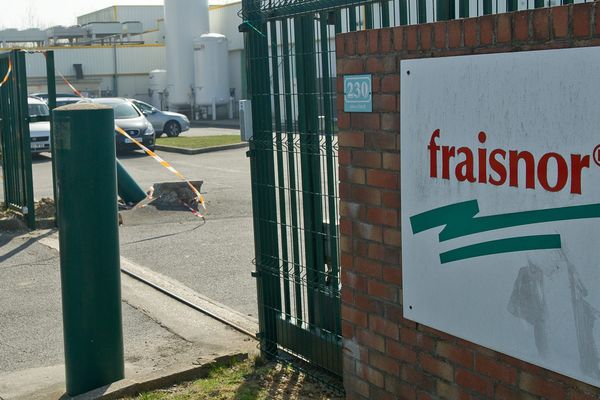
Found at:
[23, 14]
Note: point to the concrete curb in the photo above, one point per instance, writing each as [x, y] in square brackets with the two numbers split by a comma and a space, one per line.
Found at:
[181, 150]
[214, 124]
[159, 380]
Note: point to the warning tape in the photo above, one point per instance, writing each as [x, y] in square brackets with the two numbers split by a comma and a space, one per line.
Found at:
[152, 154]
[7, 73]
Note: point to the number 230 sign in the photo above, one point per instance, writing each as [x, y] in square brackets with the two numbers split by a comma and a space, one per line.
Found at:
[357, 93]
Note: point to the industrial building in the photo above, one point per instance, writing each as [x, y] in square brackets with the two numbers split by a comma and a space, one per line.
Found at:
[125, 50]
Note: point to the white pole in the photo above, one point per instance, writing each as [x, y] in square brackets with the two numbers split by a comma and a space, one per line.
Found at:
[214, 109]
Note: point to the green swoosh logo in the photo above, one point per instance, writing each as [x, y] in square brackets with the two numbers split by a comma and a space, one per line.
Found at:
[460, 220]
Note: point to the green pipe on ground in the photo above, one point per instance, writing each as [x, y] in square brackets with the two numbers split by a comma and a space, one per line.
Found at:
[89, 245]
[127, 188]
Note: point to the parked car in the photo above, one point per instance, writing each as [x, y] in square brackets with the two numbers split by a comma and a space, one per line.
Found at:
[63, 101]
[129, 118]
[44, 96]
[39, 125]
[163, 121]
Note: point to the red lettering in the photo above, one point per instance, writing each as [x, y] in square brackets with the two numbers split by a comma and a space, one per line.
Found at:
[577, 164]
[498, 167]
[464, 169]
[513, 158]
[447, 154]
[433, 149]
[562, 173]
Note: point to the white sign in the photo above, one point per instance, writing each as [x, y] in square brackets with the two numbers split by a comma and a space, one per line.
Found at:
[500, 185]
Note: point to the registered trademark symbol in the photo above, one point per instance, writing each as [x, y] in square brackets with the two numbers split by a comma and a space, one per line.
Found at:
[596, 155]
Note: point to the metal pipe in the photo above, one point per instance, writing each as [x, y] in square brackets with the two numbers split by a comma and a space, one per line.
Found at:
[89, 246]
[127, 188]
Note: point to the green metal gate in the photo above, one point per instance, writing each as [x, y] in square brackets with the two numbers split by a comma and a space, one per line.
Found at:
[290, 71]
[15, 141]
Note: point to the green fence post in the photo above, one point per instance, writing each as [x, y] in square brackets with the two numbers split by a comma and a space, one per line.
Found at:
[51, 84]
[89, 245]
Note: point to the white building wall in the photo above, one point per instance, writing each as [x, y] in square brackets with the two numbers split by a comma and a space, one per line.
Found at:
[147, 15]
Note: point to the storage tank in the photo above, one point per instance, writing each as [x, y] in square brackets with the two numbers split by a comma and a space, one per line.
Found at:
[157, 84]
[211, 70]
[184, 21]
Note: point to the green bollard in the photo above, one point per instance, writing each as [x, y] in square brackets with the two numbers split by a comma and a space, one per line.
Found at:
[89, 245]
[127, 188]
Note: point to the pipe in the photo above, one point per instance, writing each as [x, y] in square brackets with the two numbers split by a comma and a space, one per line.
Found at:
[127, 188]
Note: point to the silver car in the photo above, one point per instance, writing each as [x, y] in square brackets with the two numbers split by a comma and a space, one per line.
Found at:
[132, 121]
[163, 121]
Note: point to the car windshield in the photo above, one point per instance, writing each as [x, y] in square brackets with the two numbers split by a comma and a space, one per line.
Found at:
[124, 110]
[143, 106]
[64, 102]
[38, 110]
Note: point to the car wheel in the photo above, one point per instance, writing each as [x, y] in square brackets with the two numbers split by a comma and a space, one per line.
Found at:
[172, 129]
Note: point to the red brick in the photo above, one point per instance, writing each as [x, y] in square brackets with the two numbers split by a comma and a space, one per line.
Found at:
[390, 64]
[352, 210]
[357, 385]
[390, 84]
[343, 121]
[373, 38]
[391, 161]
[401, 352]
[506, 393]
[439, 31]
[581, 20]
[423, 396]
[344, 157]
[425, 31]
[352, 175]
[349, 44]
[399, 38]
[366, 195]
[384, 363]
[384, 102]
[383, 327]
[597, 19]
[411, 37]
[486, 29]
[392, 275]
[541, 387]
[417, 378]
[381, 290]
[455, 354]
[470, 30]
[521, 24]
[492, 368]
[351, 66]
[469, 380]
[392, 237]
[382, 216]
[351, 139]
[451, 392]
[560, 22]
[375, 377]
[370, 340]
[374, 65]
[455, 34]
[383, 179]
[390, 199]
[400, 389]
[381, 394]
[504, 32]
[540, 24]
[386, 40]
[369, 159]
[347, 327]
[339, 46]
[354, 316]
[390, 122]
[436, 367]
[574, 394]
[365, 121]
[361, 43]
[368, 267]
[368, 304]
[367, 231]
[354, 281]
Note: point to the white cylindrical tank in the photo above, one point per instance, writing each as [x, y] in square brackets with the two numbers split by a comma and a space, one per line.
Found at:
[157, 84]
[211, 69]
[184, 21]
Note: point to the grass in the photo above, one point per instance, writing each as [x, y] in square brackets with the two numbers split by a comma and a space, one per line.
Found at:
[198, 142]
[247, 380]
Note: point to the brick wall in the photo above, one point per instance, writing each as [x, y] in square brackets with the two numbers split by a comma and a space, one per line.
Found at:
[385, 355]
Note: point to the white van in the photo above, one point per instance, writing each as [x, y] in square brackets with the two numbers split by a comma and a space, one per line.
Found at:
[39, 125]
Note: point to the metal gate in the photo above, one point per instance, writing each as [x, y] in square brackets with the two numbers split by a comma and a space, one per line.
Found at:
[14, 131]
[290, 74]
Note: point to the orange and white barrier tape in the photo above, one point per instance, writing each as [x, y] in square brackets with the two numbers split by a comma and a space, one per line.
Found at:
[152, 154]
[7, 73]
